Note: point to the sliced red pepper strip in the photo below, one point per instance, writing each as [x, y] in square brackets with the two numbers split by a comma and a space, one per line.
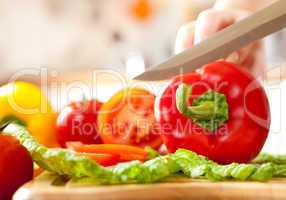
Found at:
[126, 152]
[128, 157]
[103, 158]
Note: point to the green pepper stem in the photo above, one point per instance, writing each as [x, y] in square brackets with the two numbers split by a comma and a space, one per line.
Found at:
[210, 110]
[206, 110]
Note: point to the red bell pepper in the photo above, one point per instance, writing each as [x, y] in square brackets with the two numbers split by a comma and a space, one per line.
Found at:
[219, 111]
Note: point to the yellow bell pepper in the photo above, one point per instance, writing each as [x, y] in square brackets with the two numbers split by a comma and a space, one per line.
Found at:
[26, 103]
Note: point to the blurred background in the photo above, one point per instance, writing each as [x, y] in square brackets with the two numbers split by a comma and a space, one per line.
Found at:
[75, 35]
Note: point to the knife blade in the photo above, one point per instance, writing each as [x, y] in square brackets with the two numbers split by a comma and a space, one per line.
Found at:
[262, 23]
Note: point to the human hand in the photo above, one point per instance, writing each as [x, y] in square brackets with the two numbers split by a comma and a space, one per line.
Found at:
[211, 21]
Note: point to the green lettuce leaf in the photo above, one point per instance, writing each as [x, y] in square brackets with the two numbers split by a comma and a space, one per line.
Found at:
[82, 169]
[69, 163]
[152, 153]
[196, 166]
[266, 157]
[60, 161]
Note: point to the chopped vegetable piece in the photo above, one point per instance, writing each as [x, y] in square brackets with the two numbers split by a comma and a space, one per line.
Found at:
[126, 152]
[103, 159]
[128, 118]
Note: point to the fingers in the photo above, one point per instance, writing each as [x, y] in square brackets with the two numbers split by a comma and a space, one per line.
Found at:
[211, 21]
[208, 23]
[185, 37]
[243, 55]
[255, 61]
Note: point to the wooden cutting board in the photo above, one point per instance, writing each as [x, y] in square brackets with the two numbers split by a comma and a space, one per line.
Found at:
[174, 188]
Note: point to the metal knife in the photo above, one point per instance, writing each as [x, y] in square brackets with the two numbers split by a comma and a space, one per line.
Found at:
[264, 22]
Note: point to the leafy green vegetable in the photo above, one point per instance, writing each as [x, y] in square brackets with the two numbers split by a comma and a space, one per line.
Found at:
[280, 170]
[60, 161]
[264, 172]
[148, 172]
[152, 153]
[196, 166]
[82, 169]
[265, 157]
[136, 172]
[69, 163]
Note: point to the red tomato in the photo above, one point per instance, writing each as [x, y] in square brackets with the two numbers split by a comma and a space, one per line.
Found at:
[16, 166]
[241, 137]
[128, 118]
[78, 122]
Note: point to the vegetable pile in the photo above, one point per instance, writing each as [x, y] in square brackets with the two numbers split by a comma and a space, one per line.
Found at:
[213, 123]
[65, 162]
[128, 118]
